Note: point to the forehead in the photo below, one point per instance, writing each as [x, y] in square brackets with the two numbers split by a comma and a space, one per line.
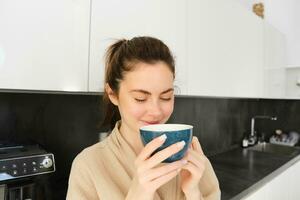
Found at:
[149, 77]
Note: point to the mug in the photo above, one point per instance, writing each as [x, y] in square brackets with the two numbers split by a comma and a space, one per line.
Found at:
[174, 132]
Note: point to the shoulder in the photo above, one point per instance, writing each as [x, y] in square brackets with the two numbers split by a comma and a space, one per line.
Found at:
[89, 155]
[82, 175]
[95, 148]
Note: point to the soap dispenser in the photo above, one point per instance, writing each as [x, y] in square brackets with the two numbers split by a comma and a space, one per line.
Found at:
[245, 142]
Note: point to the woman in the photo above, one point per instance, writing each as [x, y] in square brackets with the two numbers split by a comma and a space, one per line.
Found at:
[139, 91]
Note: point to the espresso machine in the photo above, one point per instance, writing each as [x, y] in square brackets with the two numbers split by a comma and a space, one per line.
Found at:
[20, 167]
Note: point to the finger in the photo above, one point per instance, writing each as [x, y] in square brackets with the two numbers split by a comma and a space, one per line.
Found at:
[194, 170]
[164, 154]
[195, 158]
[151, 147]
[160, 171]
[196, 145]
[164, 179]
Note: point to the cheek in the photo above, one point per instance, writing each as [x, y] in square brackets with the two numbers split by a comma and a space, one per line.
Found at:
[168, 108]
[129, 108]
[137, 111]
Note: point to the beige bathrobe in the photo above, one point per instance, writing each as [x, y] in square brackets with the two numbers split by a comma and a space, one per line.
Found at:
[105, 170]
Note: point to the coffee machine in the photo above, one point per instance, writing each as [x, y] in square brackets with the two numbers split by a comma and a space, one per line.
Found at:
[20, 167]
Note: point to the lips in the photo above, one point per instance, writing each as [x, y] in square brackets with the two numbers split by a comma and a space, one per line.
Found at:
[150, 122]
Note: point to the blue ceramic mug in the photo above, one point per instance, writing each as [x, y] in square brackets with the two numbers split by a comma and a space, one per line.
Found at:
[174, 132]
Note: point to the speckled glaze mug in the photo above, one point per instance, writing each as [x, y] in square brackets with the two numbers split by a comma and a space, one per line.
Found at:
[174, 132]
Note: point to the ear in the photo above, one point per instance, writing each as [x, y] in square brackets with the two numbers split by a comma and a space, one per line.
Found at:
[111, 95]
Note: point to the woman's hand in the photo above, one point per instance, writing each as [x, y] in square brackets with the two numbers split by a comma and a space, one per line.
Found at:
[192, 172]
[149, 176]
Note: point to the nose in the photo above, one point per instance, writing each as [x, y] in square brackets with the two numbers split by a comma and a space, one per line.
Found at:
[154, 109]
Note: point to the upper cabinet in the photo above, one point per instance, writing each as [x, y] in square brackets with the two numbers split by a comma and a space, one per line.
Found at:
[224, 49]
[274, 62]
[116, 19]
[220, 48]
[284, 16]
[44, 44]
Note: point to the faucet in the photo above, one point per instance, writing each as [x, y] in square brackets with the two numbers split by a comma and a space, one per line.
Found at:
[253, 138]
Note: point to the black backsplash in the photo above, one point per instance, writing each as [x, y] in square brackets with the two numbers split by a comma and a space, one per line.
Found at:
[64, 124]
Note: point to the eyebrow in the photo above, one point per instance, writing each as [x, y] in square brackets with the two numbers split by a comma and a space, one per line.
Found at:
[148, 93]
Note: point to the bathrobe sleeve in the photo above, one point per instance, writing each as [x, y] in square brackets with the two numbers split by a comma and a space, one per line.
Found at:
[80, 182]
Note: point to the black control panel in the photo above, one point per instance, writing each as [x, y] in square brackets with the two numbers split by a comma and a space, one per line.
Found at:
[24, 161]
[26, 166]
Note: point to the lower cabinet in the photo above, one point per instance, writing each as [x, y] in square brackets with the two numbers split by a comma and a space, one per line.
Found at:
[284, 186]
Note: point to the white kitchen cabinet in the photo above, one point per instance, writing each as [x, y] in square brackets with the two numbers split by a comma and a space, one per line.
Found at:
[284, 15]
[218, 45]
[260, 194]
[284, 186]
[292, 182]
[115, 19]
[224, 49]
[293, 82]
[44, 44]
[274, 62]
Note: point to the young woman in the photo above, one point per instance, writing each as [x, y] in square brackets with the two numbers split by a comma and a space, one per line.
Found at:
[139, 91]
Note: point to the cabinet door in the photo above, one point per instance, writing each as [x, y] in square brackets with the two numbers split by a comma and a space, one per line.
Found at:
[44, 44]
[225, 50]
[293, 182]
[117, 19]
[284, 186]
[274, 62]
[260, 194]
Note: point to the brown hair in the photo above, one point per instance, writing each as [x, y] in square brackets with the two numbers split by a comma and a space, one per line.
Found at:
[121, 57]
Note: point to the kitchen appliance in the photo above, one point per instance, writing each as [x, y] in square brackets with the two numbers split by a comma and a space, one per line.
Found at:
[20, 165]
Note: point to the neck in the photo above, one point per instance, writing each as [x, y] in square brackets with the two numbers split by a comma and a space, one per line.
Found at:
[132, 137]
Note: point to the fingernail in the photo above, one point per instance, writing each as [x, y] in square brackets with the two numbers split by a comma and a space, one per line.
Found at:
[184, 162]
[181, 144]
[178, 170]
[162, 137]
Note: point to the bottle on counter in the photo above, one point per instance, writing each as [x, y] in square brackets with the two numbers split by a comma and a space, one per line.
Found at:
[245, 142]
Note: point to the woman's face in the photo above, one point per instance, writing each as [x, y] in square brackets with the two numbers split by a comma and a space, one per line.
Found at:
[146, 95]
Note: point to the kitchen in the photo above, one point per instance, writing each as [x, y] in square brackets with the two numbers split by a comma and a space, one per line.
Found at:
[231, 65]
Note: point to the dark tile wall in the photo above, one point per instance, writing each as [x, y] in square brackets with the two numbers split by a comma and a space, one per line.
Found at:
[221, 123]
[64, 124]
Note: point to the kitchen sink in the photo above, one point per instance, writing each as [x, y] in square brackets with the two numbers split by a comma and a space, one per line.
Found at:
[275, 149]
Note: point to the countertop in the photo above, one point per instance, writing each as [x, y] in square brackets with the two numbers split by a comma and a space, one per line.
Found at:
[242, 171]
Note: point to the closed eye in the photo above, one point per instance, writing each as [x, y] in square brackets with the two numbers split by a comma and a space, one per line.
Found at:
[140, 100]
[166, 99]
